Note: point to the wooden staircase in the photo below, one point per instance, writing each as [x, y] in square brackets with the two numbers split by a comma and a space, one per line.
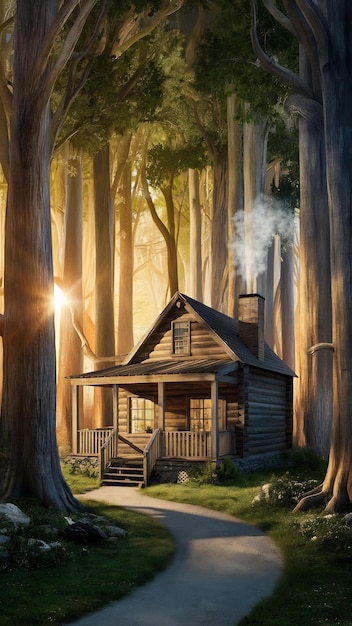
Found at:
[124, 471]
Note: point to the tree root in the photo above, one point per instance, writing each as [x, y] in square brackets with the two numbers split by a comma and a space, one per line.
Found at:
[311, 499]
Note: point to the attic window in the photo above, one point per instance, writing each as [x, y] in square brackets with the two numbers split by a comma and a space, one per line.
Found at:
[181, 337]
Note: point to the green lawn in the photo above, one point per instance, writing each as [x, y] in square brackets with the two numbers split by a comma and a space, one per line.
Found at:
[316, 584]
[315, 587]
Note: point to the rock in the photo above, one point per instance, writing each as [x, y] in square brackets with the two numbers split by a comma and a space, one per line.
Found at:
[114, 531]
[84, 533]
[13, 514]
[38, 544]
[348, 519]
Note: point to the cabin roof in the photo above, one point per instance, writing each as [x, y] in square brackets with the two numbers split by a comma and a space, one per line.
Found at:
[150, 368]
[222, 327]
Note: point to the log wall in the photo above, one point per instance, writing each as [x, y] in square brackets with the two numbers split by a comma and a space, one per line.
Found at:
[267, 401]
[159, 345]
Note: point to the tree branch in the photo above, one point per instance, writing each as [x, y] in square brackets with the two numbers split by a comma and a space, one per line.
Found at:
[287, 76]
[71, 40]
[126, 42]
[317, 22]
[280, 17]
[307, 39]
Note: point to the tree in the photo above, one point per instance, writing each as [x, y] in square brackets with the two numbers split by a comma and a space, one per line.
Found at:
[322, 31]
[28, 409]
[42, 49]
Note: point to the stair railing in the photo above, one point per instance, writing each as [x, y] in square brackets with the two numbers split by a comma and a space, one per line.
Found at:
[107, 451]
[151, 454]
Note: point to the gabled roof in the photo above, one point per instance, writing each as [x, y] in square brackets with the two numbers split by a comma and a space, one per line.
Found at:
[222, 328]
[226, 329]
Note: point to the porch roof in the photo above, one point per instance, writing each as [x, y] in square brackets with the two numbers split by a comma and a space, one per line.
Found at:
[170, 370]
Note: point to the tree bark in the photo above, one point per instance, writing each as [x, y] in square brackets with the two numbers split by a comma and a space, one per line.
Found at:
[124, 208]
[28, 409]
[70, 352]
[104, 281]
[219, 233]
[195, 236]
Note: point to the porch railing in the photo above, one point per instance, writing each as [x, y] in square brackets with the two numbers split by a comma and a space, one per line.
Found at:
[90, 441]
[186, 444]
[151, 454]
[107, 451]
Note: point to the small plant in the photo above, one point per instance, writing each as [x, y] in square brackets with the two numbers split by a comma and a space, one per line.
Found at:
[285, 490]
[303, 458]
[211, 474]
[227, 472]
[331, 533]
[204, 474]
[86, 466]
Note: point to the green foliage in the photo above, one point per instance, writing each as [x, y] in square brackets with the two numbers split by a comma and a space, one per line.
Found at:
[164, 161]
[305, 458]
[86, 466]
[331, 533]
[227, 472]
[210, 474]
[226, 61]
[285, 490]
[81, 579]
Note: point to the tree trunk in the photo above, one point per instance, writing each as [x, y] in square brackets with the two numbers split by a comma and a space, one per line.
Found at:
[219, 233]
[336, 73]
[235, 202]
[195, 236]
[171, 243]
[28, 409]
[313, 396]
[124, 207]
[254, 167]
[70, 352]
[104, 298]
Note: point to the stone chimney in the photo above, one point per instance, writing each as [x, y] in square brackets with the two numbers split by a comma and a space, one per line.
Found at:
[251, 323]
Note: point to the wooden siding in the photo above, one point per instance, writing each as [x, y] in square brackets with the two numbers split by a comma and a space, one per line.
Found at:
[176, 403]
[159, 344]
[267, 422]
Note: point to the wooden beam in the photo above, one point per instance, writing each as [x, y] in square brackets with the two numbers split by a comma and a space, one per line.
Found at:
[115, 406]
[148, 378]
[214, 420]
[161, 405]
[75, 418]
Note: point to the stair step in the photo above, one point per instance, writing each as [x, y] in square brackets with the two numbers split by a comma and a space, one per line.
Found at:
[112, 482]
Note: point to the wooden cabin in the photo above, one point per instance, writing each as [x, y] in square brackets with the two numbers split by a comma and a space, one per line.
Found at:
[199, 386]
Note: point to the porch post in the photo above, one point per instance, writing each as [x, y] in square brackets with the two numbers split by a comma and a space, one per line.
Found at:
[75, 417]
[115, 406]
[214, 420]
[161, 406]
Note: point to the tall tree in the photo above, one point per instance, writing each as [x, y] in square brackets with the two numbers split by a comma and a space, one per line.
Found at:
[322, 31]
[28, 409]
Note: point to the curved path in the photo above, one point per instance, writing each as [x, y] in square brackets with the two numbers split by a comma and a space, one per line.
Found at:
[222, 568]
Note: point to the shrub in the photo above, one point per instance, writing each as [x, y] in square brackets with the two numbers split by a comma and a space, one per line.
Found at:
[285, 490]
[210, 474]
[331, 533]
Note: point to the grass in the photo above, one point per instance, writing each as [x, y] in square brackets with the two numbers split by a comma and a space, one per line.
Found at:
[315, 586]
[90, 577]
[316, 583]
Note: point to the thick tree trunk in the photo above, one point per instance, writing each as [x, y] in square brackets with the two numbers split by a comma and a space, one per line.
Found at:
[124, 208]
[104, 298]
[313, 395]
[28, 410]
[70, 351]
[254, 167]
[336, 73]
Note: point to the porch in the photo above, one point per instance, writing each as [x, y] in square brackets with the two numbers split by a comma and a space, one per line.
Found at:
[108, 445]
